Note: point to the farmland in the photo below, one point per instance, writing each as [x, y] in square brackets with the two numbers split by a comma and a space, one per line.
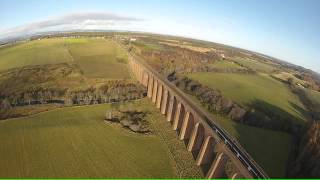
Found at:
[97, 58]
[245, 80]
[260, 145]
[76, 142]
[256, 65]
[246, 89]
[314, 96]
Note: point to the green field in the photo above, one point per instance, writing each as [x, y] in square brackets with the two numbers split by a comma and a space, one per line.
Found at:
[247, 89]
[255, 65]
[259, 143]
[97, 58]
[225, 64]
[314, 96]
[264, 145]
[76, 142]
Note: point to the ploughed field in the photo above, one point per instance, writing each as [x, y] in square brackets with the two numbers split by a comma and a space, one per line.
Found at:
[76, 142]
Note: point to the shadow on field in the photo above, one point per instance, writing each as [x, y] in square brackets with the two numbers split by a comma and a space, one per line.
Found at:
[299, 110]
[266, 135]
[269, 116]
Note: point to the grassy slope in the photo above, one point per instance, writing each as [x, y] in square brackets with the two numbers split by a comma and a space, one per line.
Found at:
[96, 57]
[256, 65]
[245, 89]
[313, 96]
[223, 64]
[46, 51]
[259, 143]
[269, 148]
[76, 142]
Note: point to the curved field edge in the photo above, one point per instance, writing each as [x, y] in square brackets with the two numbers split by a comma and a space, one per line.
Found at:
[246, 89]
[97, 58]
[270, 149]
[76, 142]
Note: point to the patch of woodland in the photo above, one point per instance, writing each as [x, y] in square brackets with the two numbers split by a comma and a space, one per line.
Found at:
[306, 163]
[22, 111]
[134, 120]
[61, 84]
[245, 70]
[169, 59]
[312, 105]
[258, 113]
[312, 80]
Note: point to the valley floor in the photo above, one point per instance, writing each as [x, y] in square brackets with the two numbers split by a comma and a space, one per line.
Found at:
[76, 142]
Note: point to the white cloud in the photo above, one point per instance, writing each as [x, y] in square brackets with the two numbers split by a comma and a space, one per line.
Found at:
[80, 20]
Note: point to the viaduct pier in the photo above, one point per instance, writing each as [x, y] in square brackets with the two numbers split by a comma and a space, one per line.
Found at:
[209, 143]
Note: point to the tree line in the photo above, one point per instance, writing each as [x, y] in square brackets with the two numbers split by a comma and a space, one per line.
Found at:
[110, 92]
[258, 113]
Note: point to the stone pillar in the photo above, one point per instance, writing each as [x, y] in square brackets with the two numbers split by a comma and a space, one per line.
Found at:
[164, 103]
[235, 176]
[134, 67]
[196, 137]
[137, 71]
[186, 128]
[145, 79]
[178, 117]
[217, 167]
[159, 96]
[140, 74]
[155, 89]
[206, 152]
[150, 86]
[171, 109]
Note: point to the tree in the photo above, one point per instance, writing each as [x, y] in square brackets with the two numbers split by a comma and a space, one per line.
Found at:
[290, 81]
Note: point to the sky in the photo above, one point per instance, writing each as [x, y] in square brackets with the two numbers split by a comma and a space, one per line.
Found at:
[286, 29]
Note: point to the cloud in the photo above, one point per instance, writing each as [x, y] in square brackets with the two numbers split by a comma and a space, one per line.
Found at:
[80, 20]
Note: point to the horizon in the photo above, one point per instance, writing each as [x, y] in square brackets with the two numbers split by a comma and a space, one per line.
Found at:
[286, 30]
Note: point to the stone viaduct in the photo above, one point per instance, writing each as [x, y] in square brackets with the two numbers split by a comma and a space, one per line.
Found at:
[211, 146]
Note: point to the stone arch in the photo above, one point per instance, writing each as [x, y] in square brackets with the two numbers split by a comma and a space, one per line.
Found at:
[145, 78]
[179, 116]
[150, 86]
[174, 109]
[206, 153]
[155, 90]
[165, 101]
[159, 95]
[187, 126]
[217, 167]
[196, 137]
[168, 102]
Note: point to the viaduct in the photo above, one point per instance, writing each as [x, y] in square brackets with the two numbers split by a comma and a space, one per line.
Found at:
[209, 143]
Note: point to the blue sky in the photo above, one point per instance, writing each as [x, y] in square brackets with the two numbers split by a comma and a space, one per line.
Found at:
[286, 29]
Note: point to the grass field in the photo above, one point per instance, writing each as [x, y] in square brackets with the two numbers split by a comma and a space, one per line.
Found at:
[97, 58]
[255, 65]
[270, 149]
[246, 89]
[225, 64]
[76, 142]
[314, 96]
